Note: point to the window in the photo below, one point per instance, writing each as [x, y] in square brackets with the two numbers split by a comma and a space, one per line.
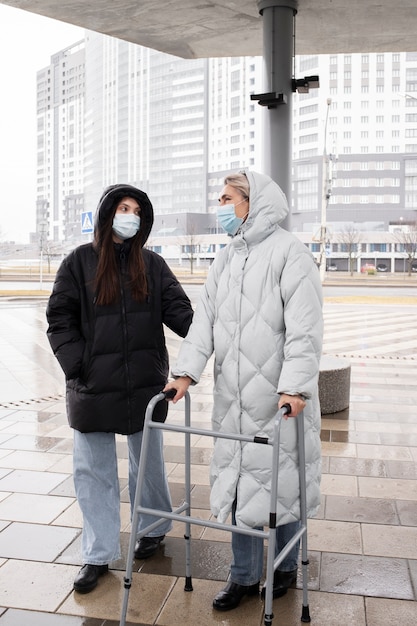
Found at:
[378, 247]
[308, 123]
[312, 108]
[308, 138]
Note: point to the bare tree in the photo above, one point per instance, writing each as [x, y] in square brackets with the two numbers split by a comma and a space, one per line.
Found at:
[49, 250]
[350, 238]
[190, 245]
[408, 241]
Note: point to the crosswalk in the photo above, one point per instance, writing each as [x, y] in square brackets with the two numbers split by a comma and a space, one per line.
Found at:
[371, 332]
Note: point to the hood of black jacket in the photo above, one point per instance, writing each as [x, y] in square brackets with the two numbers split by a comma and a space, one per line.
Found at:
[112, 196]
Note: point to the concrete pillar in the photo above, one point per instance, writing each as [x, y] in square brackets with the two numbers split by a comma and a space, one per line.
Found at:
[278, 53]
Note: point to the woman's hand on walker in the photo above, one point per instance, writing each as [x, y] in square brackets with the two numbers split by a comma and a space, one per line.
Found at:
[180, 385]
[297, 404]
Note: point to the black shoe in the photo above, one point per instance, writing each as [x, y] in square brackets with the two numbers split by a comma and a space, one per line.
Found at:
[230, 597]
[282, 582]
[87, 578]
[147, 546]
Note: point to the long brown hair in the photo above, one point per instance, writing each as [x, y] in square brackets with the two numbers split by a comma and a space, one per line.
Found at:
[107, 281]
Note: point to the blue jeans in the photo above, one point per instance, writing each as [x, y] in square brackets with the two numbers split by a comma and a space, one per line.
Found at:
[98, 493]
[248, 553]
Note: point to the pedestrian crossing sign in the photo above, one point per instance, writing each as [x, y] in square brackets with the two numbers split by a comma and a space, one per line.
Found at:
[87, 222]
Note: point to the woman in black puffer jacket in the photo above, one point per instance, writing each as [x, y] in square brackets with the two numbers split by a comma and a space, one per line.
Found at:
[106, 314]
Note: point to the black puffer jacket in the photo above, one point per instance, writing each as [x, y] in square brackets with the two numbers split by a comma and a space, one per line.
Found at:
[114, 357]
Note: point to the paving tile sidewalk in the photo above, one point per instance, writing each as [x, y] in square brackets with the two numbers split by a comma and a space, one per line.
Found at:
[362, 545]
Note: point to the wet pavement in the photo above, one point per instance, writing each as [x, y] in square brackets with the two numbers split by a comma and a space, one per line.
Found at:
[362, 545]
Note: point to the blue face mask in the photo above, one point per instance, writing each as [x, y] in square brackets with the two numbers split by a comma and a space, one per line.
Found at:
[126, 226]
[228, 220]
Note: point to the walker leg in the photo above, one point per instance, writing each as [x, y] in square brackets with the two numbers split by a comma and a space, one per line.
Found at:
[188, 580]
[305, 615]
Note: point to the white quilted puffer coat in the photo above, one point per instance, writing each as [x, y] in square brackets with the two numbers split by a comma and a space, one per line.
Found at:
[261, 313]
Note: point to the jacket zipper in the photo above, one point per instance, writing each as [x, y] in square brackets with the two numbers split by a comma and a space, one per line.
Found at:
[125, 337]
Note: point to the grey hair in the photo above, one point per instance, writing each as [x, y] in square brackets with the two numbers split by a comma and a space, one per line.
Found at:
[239, 182]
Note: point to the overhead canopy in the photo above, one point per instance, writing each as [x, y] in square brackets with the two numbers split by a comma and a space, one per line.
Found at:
[199, 28]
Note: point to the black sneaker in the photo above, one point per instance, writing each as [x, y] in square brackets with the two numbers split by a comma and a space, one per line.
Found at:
[147, 546]
[282, 582]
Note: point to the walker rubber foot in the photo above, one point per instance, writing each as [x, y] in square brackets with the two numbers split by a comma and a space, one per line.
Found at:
[305, 615]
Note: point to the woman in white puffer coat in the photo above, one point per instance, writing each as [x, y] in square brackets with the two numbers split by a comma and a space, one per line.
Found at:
[261, 313]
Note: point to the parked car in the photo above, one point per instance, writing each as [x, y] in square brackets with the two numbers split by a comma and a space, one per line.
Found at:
[381, 267]
[368, 268]
[332, 267]
[414, 267]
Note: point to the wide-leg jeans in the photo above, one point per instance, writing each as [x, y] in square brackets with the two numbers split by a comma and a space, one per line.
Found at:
[98, 493]
[248, 553]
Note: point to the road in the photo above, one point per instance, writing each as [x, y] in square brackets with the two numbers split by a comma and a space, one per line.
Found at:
[193, 290]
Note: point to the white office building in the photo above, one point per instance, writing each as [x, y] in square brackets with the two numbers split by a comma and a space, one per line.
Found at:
[370, 140]
[110, 111]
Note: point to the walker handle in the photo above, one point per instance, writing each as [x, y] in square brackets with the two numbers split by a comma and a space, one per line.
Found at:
[286, 408]
[169, 394]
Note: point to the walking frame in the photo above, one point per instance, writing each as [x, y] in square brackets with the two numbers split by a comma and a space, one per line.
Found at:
[183, 512]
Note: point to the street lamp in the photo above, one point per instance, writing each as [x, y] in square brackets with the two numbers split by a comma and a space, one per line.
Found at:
[43, 225]
[325, 199]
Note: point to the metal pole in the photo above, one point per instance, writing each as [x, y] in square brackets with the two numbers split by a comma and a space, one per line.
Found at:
[43, 225]
[278, 52]
[325, 199]
[41, 269]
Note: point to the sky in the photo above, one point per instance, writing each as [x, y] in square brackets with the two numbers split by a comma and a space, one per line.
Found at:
[27, 42]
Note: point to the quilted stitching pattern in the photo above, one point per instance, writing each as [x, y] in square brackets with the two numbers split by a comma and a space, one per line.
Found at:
[261, 312]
